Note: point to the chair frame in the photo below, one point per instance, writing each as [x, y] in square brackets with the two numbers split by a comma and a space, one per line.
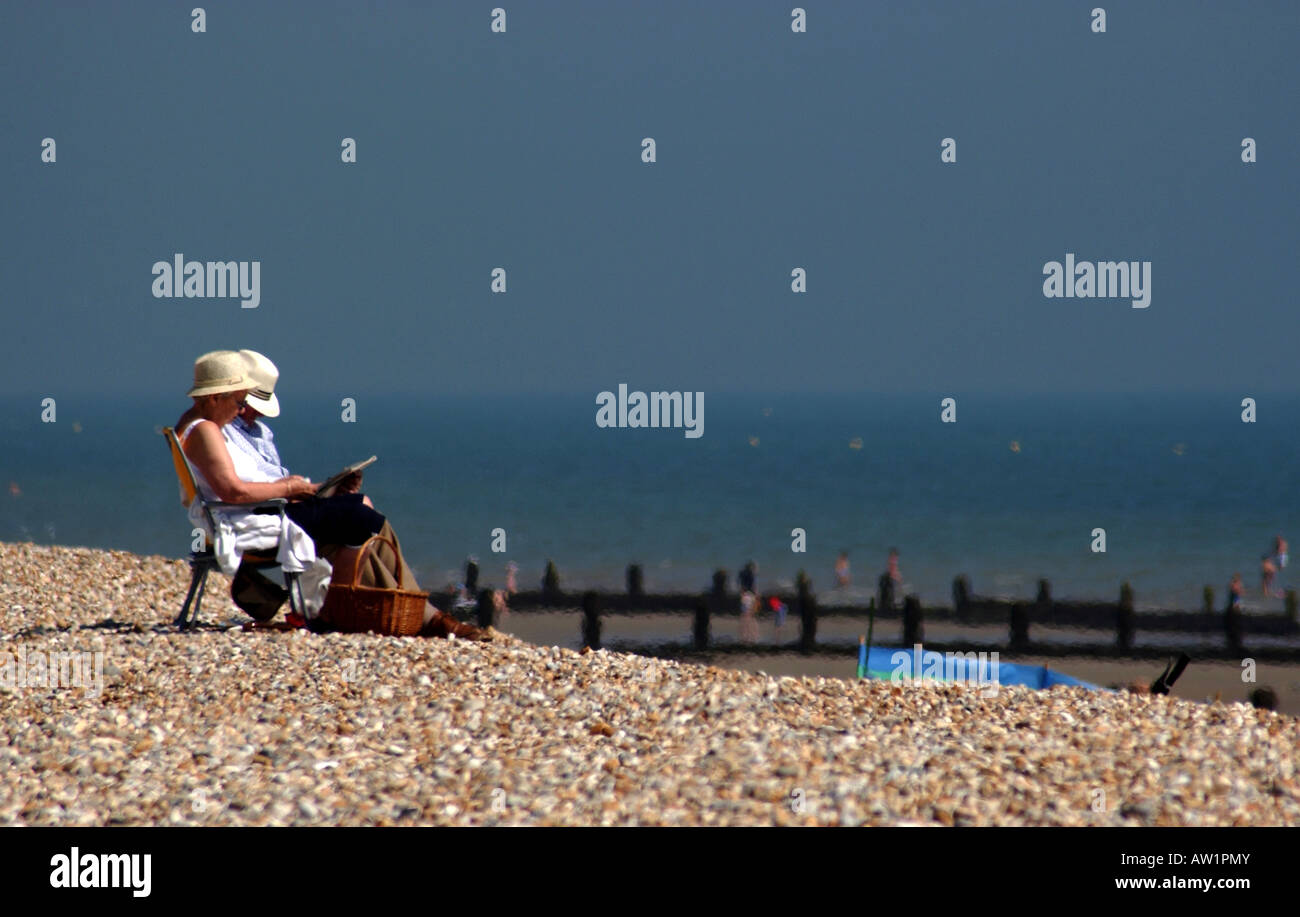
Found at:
[204, 562]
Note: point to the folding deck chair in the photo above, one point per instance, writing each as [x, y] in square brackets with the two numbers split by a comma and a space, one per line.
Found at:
[205, 561]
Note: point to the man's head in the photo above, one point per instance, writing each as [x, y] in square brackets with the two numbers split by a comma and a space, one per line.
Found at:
[263, 375]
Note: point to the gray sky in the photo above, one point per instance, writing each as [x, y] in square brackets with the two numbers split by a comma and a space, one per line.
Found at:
[775, 151]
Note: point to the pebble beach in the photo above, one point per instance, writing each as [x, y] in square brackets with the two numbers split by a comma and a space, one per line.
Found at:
[223, 726]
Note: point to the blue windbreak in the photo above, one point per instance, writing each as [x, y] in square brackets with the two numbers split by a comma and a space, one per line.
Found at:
[904, 664]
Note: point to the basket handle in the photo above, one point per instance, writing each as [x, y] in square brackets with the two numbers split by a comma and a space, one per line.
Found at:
[356, 569]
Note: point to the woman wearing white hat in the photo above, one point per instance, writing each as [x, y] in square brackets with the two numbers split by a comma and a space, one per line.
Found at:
[220, 383]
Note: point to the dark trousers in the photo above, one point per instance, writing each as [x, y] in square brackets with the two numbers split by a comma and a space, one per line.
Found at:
[340, 519]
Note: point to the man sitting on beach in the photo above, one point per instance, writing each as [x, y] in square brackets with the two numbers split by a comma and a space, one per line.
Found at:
[246, 431]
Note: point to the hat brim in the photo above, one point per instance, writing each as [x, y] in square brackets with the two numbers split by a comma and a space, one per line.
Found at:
[217, 388]
[267, 407]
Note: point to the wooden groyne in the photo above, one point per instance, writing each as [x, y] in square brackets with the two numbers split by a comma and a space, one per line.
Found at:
[1226, 634]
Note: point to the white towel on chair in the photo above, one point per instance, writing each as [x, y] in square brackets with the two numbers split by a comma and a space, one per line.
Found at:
[241, 530]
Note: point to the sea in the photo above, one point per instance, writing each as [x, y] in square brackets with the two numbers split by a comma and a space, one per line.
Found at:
[1011, 492]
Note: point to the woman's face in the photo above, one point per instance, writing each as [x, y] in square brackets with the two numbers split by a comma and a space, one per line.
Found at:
[232, 405]
[223, 407]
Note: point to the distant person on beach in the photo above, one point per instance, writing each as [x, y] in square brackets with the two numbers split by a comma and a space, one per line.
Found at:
[779, 610]
[224, 380]
[746, 577]
[1236, 589]
[1267, 571]
[469, 589]
[471, 575]
[842, 575]
[512, 577]
[894, 573]
[748, 622]
[1279, 552]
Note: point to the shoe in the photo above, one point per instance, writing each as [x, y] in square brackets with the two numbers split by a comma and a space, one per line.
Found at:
[291, 622]
[462, 631]
[436, 626]
[445, 625]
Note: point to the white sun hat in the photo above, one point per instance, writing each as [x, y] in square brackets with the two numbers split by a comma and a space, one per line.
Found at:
[219, 371]
[262, 375]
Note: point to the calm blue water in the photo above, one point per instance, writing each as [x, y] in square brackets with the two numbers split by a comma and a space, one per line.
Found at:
[953, 497]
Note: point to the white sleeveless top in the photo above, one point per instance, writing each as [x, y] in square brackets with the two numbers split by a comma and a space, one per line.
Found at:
[239, 530]
[245, 467]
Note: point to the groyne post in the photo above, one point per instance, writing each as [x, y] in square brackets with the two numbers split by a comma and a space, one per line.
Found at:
[1232, 624]
[590, 620]
[1019, 625]
[886, 592]
[634, 582]
[1207, 600]
[551, 581]
[485, 611]
[807, 613]
[961, 596]
[913, 621]
[719, 587]
[700, 628]
[1125, 619]
[1020, 614]
[1291, 606]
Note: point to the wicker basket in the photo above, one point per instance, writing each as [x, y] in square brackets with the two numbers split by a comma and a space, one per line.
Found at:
[357, 609]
